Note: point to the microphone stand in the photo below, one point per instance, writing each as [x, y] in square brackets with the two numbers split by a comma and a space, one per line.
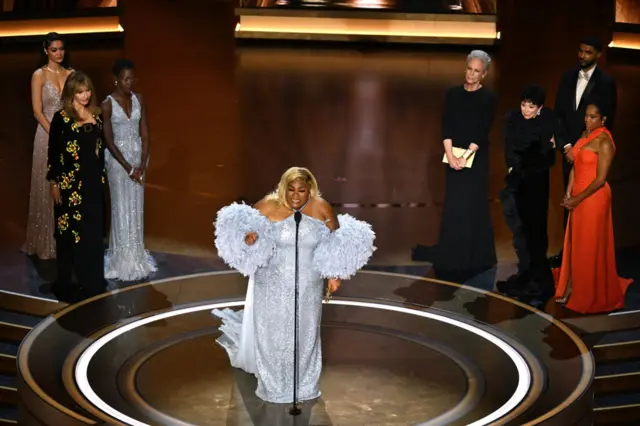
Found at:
[295, 411]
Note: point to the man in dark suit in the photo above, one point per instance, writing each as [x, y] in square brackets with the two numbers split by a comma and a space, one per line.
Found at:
[578, 87]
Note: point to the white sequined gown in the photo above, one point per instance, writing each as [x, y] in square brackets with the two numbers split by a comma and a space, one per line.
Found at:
[126, 259]
[40, 239]
[273, 315]
[260, 339]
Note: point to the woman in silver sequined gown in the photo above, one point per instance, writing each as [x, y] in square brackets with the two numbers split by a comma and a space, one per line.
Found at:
[260, 243]
[127, 138]
[46, 86]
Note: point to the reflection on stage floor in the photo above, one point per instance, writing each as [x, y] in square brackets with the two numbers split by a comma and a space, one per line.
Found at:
[398, 350]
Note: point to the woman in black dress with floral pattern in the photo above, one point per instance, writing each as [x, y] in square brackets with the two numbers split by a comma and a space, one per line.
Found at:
[77, 176]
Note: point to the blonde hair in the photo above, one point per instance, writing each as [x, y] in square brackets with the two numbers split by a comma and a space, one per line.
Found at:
[74, 84]
[291, 175]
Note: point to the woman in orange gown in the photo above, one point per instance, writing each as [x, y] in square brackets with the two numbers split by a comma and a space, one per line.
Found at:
[588, 281]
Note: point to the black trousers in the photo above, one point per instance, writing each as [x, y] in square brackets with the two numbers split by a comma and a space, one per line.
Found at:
[525, 204]
[84, 259]
[86, 263]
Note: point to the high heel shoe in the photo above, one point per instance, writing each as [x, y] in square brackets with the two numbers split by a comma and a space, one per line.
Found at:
[563, 300]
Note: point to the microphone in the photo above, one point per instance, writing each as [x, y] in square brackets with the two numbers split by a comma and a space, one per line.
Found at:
[295, 411]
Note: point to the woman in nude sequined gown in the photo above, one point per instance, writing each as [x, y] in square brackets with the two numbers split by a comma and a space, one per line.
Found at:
[46, 86]
[127, 137]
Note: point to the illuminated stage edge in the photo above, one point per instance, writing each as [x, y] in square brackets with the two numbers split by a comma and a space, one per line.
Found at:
[354, 26]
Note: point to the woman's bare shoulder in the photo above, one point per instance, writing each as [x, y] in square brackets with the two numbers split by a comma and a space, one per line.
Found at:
[324, 208]
[266, 205]
[604, 142]
[321, 202]
[38, 75]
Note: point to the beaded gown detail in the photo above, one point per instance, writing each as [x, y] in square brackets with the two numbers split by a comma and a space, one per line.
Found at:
[40, 240]
[126, 258]
[260, 338]
[273, 293]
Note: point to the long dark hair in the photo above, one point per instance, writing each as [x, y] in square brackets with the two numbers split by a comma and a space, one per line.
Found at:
[46, 43]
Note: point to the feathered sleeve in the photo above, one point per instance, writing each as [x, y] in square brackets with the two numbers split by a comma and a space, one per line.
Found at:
[231, 225]
[343, 252]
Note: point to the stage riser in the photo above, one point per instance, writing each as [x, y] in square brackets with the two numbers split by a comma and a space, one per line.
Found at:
[42, 413]
[618, 383]
[12, 333]
[377, 321]
[7, 364]
[617, 352]
[621, 416]
[28, 305]
[604, 323]
[8, 396]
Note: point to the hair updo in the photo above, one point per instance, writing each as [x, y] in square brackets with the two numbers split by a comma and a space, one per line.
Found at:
[603, 108]
[121, 65]
[534, 94]
[47, 42]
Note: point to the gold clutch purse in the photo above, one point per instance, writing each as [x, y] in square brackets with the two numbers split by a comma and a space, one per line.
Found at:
[457, 152]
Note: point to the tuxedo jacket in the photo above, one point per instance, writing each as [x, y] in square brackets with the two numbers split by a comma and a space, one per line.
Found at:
[601, 87]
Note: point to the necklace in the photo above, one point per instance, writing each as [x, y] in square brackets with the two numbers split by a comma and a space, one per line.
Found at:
[55, 72]
[303, 206]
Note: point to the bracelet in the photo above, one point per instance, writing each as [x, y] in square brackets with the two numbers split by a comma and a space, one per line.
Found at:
[131, 172]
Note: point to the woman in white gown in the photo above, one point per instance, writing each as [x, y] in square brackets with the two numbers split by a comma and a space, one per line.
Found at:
[260, 243]
[127, 137]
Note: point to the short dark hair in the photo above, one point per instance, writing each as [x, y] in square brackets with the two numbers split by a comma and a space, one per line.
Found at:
[592, 41]
[534, 94]
[601, 106]
[122, 64]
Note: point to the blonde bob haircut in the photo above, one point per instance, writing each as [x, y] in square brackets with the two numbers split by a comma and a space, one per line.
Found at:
[292, 175]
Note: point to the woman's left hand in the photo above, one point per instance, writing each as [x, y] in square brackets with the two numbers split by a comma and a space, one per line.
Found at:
[462, 162]
[333, 284]
[137, 175]
[571, 203]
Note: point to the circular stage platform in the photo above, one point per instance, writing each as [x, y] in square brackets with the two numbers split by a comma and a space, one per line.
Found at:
[398, 350]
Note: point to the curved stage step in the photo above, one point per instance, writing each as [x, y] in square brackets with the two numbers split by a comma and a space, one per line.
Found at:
[611, 337]
[18, 314]
[421, 350]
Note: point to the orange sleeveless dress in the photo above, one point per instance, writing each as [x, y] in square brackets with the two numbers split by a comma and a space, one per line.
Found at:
[589, 261]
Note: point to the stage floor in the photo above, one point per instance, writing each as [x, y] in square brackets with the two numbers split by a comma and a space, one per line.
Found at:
[398, 350]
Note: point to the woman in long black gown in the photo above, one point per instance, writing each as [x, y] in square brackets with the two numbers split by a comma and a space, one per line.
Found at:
[466, 246]
[77, 177]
